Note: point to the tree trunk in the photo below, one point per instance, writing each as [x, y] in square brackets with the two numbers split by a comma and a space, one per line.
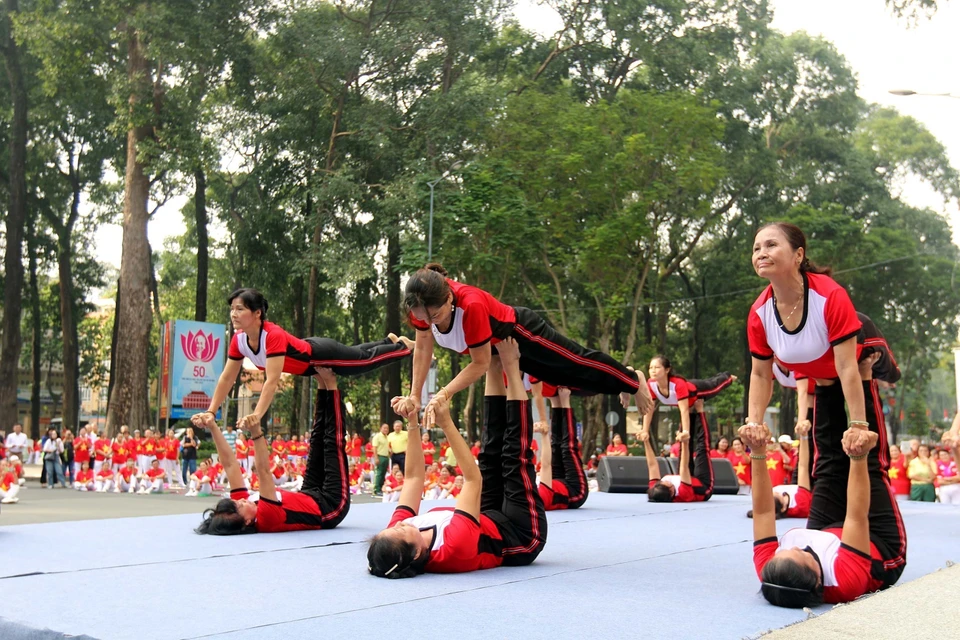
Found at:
[390, 378]
[129, 403]
[37, 337]
[12, 341]
[200, 208]
[68, 321]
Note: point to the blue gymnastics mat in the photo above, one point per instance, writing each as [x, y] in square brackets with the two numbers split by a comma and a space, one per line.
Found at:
[618, 567]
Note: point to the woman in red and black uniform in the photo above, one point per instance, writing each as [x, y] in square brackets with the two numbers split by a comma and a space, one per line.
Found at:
[499, 517]
[563, 484]
[672, 390]
[275, 351]
[807, 321]
[469, 320]
[322, 502]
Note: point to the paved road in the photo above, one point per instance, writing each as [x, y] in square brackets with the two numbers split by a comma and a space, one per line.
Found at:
[62, 505]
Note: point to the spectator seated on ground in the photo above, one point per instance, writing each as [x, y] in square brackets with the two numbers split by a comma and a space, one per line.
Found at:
[84, 481]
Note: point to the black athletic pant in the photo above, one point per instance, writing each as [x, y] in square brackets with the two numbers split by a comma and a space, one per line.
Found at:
[353, 361]
[509, 495]
[829, 505]
[553, 358]
[701, 467]
[710, 387]
[566, 463]
[326, 479]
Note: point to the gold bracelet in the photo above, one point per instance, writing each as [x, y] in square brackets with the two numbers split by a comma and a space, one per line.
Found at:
[858, 457]
[753, 457]
[862, 423]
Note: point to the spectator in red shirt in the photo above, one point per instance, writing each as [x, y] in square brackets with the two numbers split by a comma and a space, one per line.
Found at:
[789, 455]
[152, 480]
[475, 449]
[741, 466]
[9, 486]
[84, 481]
[722, 450]
[616, 447]
[428, 448]
[394, 485]
[126, 478]
[898, 472]
[355, 448]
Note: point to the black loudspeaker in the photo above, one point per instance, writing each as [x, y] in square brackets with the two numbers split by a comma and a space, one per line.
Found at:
[626, 474]
[724, 478]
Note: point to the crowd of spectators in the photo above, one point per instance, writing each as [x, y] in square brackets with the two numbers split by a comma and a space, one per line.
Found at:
[148, 462]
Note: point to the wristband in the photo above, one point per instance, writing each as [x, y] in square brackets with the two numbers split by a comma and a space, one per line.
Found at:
[804, 437]
[256, 437]
[752, 424]
[861, 423]
[863, 457]
[753, 457]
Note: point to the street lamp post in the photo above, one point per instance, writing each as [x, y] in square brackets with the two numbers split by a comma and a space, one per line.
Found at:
[911, 92]
[432, 184]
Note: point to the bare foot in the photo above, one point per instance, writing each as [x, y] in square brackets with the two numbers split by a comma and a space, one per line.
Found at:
[328, 377]
[509, 352]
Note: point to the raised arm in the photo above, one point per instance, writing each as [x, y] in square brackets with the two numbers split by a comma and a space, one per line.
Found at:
[233, 471]
[469, 499]
[538, 401]
[803, 460]
[856, 524]
[653, 469]
[414, 471]
[764, 516]
[546, 453]
[261, 454]
[480, 358]
[684, 406]
[683, 437]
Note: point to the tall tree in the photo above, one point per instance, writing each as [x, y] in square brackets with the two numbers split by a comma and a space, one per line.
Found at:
[12, 340]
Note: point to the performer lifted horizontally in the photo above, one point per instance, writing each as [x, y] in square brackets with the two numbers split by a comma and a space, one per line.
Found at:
[499, 517]
[275, 351]
[563, 484]
[672, 390]
[469, 320]
[323, 501]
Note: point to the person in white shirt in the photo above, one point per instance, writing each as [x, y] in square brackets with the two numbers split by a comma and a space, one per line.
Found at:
[52, 448]
[17, 442]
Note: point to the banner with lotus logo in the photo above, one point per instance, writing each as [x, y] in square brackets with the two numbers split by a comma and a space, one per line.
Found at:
[199, 349]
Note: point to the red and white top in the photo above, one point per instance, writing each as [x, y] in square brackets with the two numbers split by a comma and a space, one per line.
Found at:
[829, 318]
[274, 342]
[460, 542]
[680, 389]
[289, 512]
[685, 492]
[476, 317]
[846, 571]
[800, 498]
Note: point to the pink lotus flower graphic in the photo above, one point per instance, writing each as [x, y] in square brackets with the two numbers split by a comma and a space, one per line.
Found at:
[199, 347]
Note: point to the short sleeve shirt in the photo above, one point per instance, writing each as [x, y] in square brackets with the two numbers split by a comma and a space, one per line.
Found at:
[478, 318]
[274, 343]
[829, 319]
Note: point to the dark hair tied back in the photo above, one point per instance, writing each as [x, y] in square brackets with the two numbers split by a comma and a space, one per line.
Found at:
[251, 299]
[798, 240]
[427, 287]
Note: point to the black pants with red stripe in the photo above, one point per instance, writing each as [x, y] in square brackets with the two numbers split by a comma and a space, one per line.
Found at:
[356, 360]
[566, 463]
[553, 358]
[710, 387]
[701, 467]
[509, 496]
[326, 479]
[832, 469]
